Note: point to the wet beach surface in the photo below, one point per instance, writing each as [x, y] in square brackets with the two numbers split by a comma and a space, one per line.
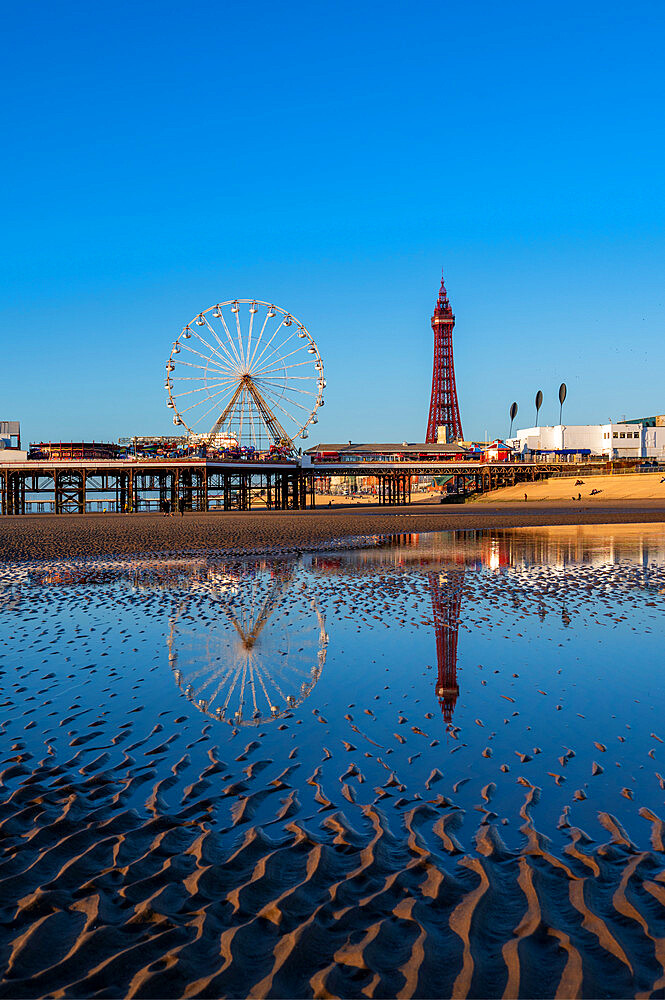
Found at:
[48, 536]
[417, 765]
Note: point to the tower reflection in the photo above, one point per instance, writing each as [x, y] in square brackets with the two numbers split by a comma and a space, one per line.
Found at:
[446, 589]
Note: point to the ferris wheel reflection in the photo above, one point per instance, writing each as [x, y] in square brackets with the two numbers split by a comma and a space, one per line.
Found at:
[259, 655]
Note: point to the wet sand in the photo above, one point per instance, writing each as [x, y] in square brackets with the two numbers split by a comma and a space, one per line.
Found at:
[45, 536]
[149, 850]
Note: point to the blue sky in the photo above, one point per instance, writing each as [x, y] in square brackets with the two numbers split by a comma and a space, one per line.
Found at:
[159, 157]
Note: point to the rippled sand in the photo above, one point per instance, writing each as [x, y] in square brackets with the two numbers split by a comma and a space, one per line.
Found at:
[99, 900]
[358, 844]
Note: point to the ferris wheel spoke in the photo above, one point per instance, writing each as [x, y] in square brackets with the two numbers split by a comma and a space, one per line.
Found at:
[258, 360]
[220, 686]
[252, 685]
[187, 364]
[266, 358]
[287, 388]
[277, 356]
[261, 681]
[224, 382]
[276, 431]
[241, 346]
[252, 427]
[241, 703]
[250, 414]
[242, 409]
[202, 415]
[230, 339]
[205, 400]
[195, 674]
[189, 392]
[253, 431]
[226, 358]
[226, 416]
[207, 413]
[280, 367]
[251, 327]
[222, 672]
[229, 347]
[277, 405]
[232, 687]
[223, 364]
[260, 337]
[291, 391]
[273, 681]
[205, 357]
[272, 397]
[291, 402]
[192, 378]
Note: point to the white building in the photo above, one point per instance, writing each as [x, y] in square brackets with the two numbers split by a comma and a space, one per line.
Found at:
[10, 434]
[634, 440]
[220, 440]
[10, 442]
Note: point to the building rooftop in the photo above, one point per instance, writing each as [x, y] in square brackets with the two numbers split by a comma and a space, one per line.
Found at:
[401, 447]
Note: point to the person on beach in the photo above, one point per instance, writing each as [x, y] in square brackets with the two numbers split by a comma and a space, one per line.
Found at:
[167, 508]
[525, 497]
[181, 506]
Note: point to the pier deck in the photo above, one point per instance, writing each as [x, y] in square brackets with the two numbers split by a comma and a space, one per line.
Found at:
[204, 485]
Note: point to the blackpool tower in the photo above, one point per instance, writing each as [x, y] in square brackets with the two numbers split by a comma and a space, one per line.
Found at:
[443, 407]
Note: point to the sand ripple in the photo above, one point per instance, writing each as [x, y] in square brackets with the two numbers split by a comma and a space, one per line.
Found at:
[99, 899]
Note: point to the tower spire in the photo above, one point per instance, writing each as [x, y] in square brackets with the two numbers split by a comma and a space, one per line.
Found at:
[442, 300]
[443, 407]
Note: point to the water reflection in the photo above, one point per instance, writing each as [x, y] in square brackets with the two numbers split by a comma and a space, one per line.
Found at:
[498, 549]
[266, 664]
[446, 590]
[350, 824]
[247, 641]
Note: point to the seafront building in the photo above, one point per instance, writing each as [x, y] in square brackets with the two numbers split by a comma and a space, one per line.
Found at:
[354, 452]
[641, 438]
[10, 436]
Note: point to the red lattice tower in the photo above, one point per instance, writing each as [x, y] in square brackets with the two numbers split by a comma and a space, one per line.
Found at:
[443, 407]
[446, 592]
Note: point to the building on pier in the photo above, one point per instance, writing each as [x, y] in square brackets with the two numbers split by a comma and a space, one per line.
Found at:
[612, 440]
[354, 452]
[72, 451]
[10, 434]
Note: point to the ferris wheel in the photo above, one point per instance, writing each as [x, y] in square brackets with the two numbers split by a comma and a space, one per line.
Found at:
[245, 372]
[260, 658]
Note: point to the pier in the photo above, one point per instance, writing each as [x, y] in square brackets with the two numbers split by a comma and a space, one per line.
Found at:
[133, 485]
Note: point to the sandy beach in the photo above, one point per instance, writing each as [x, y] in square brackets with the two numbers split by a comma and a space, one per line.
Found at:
[623, 487]
[45, 536]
